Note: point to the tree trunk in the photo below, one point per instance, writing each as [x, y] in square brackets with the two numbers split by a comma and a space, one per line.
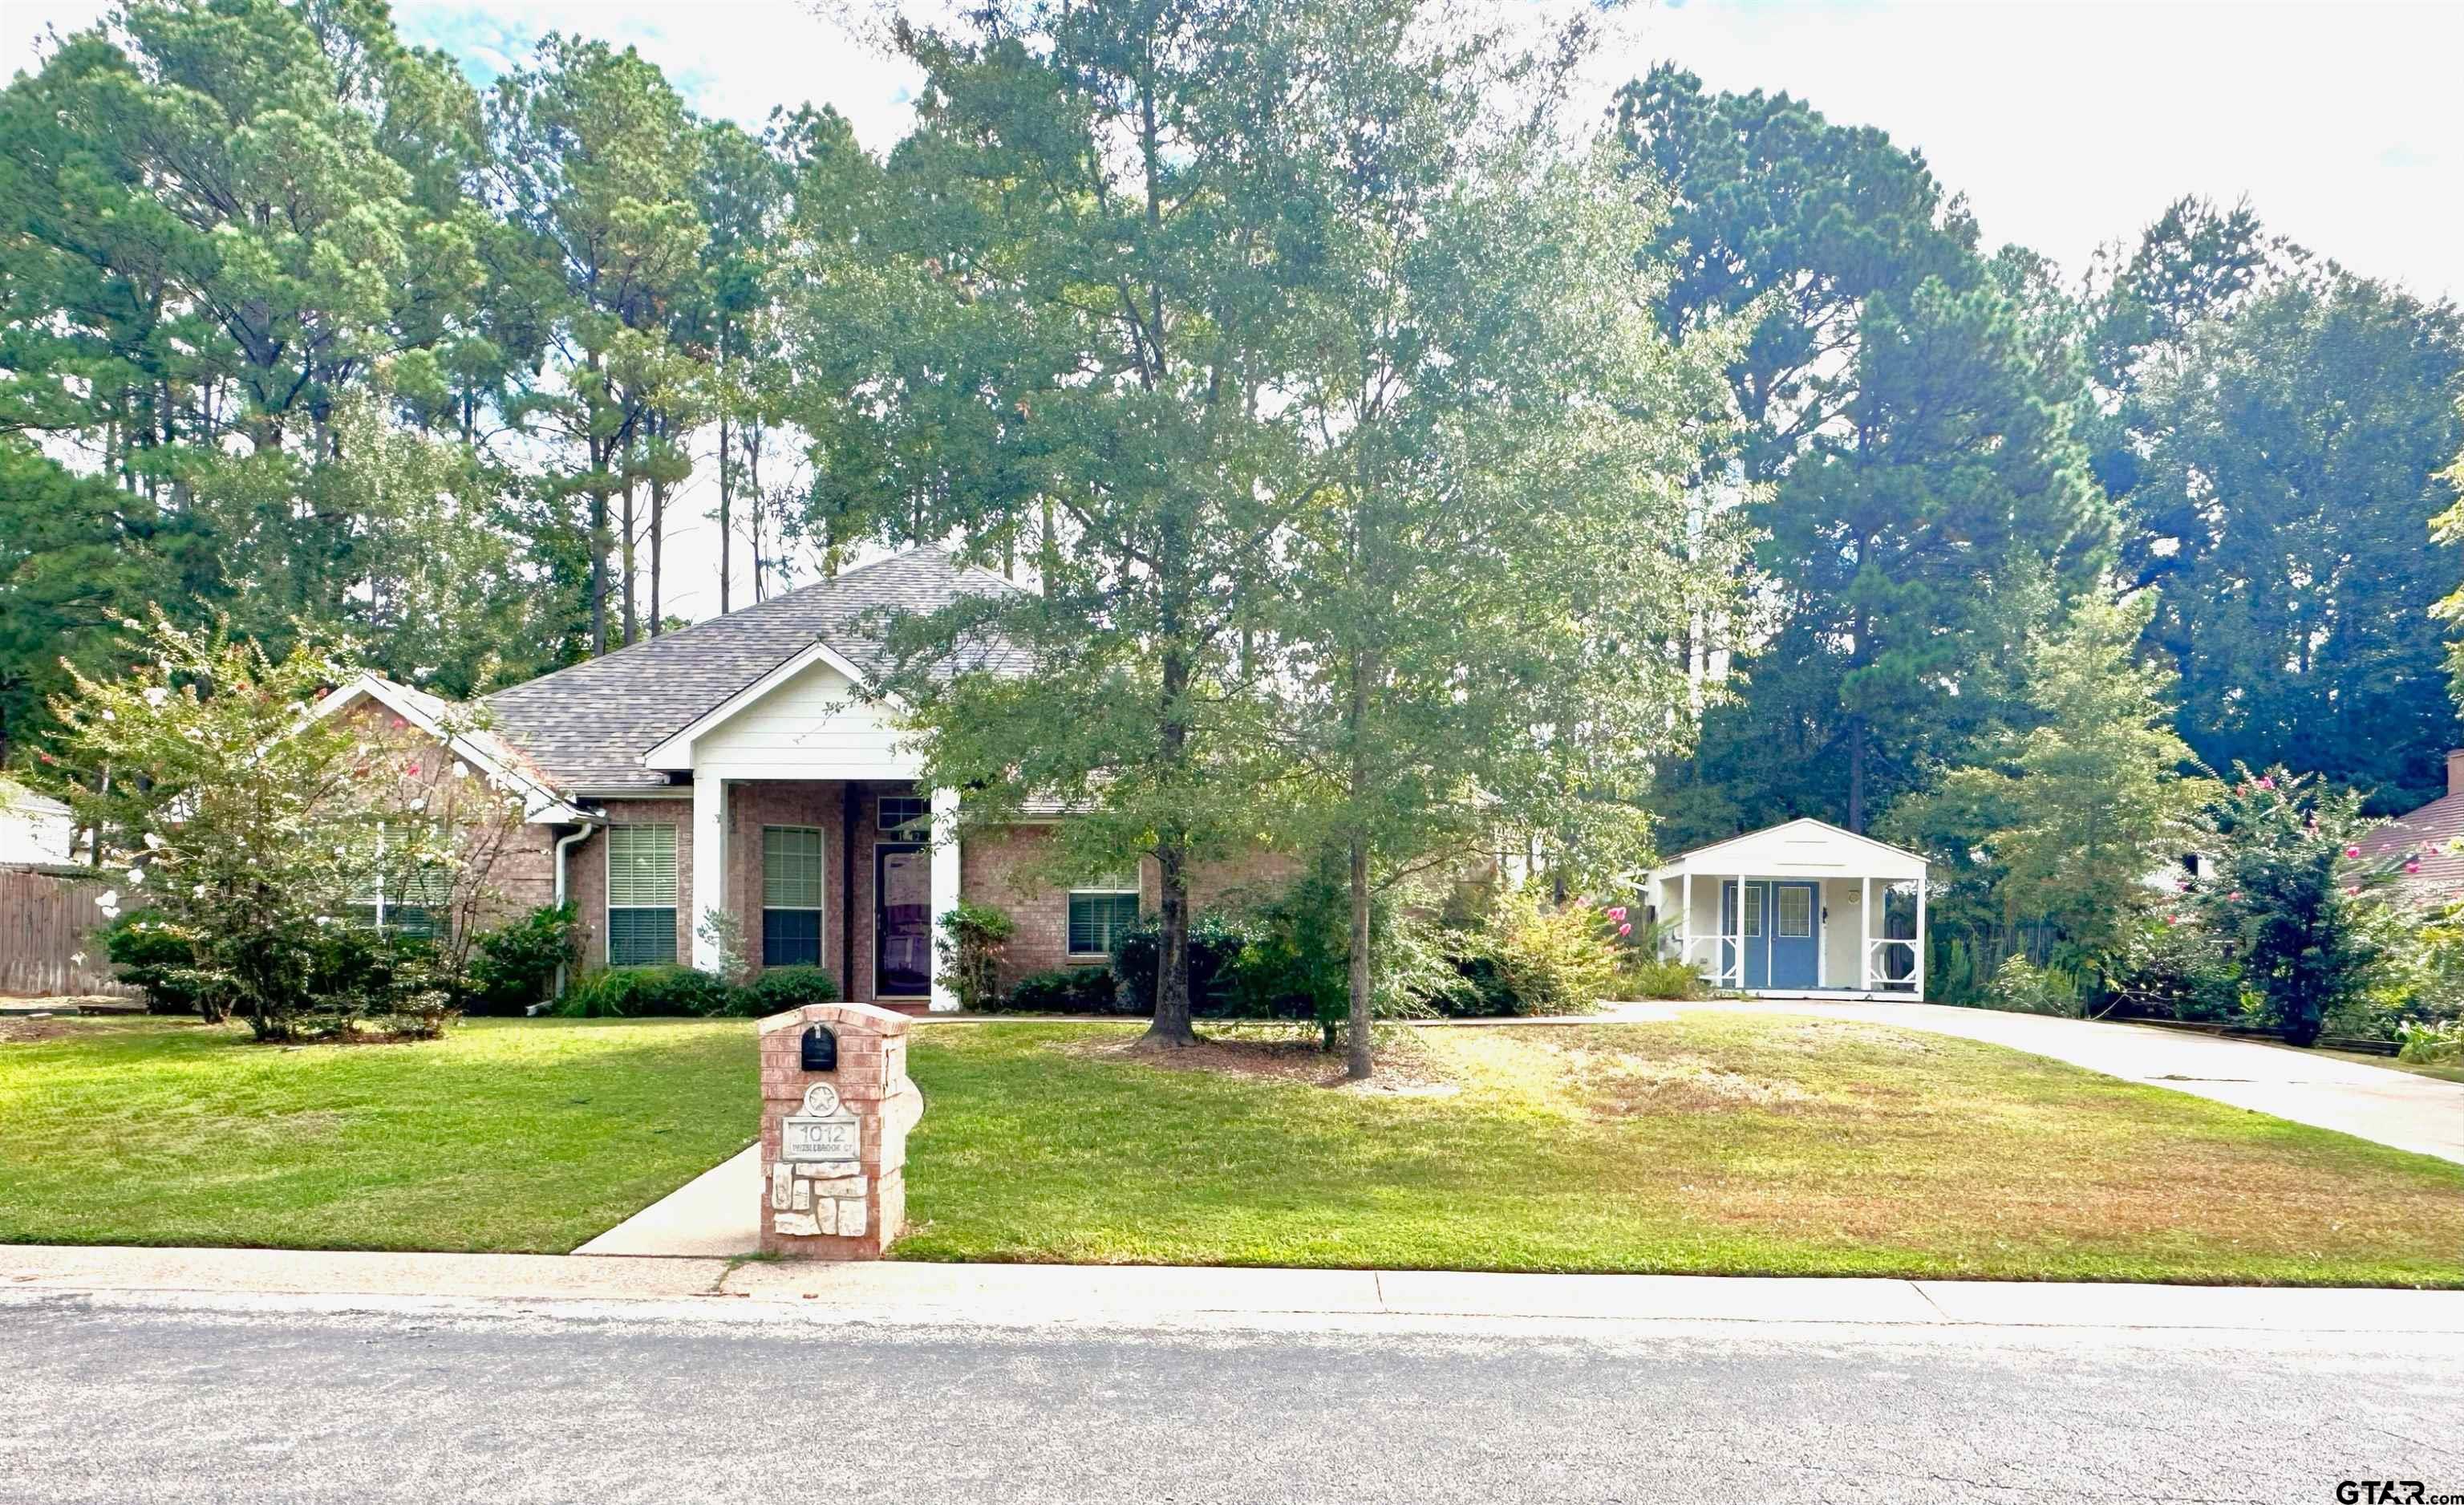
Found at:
[1857, 774]
[597, 572]
[658, 547]
[1357, 1062]
[726, 499]
[625, 547]
[1172, 1022]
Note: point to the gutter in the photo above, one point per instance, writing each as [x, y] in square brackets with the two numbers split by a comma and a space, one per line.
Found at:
[563, 846]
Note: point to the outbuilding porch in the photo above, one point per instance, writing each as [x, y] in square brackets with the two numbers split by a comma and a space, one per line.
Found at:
[1799, 910]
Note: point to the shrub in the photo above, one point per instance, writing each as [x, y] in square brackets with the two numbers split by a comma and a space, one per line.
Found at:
[776, 989]
[1553, 960]
[2430, 1044]
[2020, 987]
[515, 965]
[1215, 944]
[2178, 970]
[1063, 990]
[1297, 962]
[973, 937]
[149, 957]
[635, 992]
[1661, 976]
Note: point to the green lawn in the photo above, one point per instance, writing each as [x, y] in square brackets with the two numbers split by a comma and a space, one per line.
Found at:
[1745, 1144]
[528, 1135]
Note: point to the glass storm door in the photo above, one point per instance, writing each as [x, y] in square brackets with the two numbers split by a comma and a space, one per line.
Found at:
[902, 920]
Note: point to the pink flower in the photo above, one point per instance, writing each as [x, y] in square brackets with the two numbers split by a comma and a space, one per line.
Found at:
[2234, 895]
[2352, 852]
[2412, 865]
[2267, 783]
[2354, 892]
[1625, 930]
[1619, 913]
[412, 770]
[2172, 919]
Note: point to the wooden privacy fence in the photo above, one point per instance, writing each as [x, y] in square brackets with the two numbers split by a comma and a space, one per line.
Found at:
[48, 917]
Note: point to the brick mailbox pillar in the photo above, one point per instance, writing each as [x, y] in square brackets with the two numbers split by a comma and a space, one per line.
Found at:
[836, 1106]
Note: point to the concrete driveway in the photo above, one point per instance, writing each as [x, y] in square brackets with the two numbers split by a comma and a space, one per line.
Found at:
[2420, 1114]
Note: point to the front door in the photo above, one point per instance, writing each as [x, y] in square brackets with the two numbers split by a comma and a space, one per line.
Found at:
[1779, 932]
[902, 920]
[1795, 934]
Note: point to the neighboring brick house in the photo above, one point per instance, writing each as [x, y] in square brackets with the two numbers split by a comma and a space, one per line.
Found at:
[730, 765]
[2429, 841]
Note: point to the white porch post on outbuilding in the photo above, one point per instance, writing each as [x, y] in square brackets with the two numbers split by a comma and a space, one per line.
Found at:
[945, 888]
[709, 866]
[1917, 974]
[1865, 939]
[1685, 919]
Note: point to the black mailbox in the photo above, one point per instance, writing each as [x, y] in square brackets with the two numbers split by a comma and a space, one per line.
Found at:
[820, 1049]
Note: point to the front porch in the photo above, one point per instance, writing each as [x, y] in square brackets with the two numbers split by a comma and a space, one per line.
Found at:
[1801, 910]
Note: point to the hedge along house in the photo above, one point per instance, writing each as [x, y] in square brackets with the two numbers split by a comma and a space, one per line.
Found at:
[735, 769]
[1802, 909]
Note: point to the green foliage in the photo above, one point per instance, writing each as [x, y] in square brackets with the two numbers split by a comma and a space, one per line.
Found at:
[973, 937]
[2304, 631]
[776, 989]
[2020, 987]
[2290, 898]
[1063, 990]
[638, 992]
[1657, 977]
[1216, 941]
[261, 827]
[516, 965]
[1550, 959]
[150, 955]
[2047, 839]
[2175, 971]
[2431, 1043]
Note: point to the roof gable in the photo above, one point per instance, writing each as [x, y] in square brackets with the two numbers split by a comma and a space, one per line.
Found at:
[1804, 845]
[592, 724]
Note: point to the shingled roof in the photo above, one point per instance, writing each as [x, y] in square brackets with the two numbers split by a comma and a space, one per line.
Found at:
[2433, 835]
[588, 725]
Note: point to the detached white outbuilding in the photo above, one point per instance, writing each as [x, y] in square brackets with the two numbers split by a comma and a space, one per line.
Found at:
[1798, 909]
[35, 828]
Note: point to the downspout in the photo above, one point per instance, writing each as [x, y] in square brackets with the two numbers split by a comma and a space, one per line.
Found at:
[563, 846]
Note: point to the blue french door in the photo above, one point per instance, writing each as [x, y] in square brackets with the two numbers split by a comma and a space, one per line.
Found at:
[1780, 931]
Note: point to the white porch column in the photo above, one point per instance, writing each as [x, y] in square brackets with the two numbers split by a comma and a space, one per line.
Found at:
[709, 863]
[1918, 975]
[945, 887]
[1685, 919]
[1865, 938]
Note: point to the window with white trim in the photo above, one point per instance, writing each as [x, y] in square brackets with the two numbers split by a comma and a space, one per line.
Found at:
[791, 895]
[1102, 910]
[1752, 922]
[402, 904]
[641, 896]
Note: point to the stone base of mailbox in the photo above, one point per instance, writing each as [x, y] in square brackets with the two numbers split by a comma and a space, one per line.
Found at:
[850, 1208]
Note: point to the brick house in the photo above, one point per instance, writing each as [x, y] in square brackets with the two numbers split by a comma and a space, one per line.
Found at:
[731, 766]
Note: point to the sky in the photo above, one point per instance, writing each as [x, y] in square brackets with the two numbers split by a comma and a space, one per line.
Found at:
[2068, 125]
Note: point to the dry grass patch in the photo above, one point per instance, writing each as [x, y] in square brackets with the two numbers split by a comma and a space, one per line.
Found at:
[1278, 1052]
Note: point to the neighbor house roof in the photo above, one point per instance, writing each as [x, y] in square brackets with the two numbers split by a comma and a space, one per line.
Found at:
[2431, 834]
[589, 725]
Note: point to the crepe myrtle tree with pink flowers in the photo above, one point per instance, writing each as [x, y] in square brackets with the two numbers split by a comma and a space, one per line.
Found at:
[2289, 895]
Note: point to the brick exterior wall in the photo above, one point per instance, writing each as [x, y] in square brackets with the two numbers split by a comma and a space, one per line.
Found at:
[1004, 867]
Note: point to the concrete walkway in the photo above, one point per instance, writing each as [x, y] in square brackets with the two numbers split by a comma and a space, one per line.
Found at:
[1099, 1295]
[2421, 1114]
[716, 1215]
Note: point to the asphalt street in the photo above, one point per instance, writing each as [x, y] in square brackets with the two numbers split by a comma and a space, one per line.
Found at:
[161, 1399]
